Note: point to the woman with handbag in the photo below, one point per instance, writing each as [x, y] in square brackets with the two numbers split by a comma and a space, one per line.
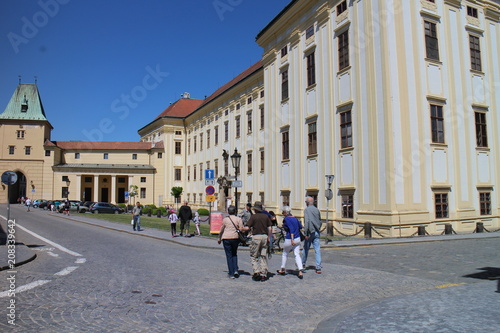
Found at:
[292, 227]
[230, 237]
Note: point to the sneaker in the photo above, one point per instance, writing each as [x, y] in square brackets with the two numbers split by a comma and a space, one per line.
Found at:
[256, 277]
[231, 277]
[236, 275]
[318, 270]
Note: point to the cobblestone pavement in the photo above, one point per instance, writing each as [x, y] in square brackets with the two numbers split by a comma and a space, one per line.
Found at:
[123, 283]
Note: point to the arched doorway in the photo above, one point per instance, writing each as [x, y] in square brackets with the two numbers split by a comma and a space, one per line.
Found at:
[18, 189]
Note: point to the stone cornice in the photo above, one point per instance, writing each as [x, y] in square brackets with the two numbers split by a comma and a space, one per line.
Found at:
[454, 3]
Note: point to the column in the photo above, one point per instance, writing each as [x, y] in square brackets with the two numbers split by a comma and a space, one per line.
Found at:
[79, 194]
[113, 189]
[96, 188]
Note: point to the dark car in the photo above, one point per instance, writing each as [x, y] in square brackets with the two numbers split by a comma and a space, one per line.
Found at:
[104, 207]
[87, 204]
[46, 205]
[37, 202]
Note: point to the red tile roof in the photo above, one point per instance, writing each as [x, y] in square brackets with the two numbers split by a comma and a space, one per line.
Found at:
[107, 145]
[243, 75]
[181, 108]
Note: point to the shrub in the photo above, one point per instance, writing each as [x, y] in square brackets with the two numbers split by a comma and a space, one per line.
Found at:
[163, 211]
[154, 211]
[146, 210]
[122, 205]
[203, 212]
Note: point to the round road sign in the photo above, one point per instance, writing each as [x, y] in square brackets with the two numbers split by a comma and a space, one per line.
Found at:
[9, 177]
[210, 190]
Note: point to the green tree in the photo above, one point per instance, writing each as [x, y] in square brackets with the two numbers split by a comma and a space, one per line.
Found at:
[176, 193]
[133, 192]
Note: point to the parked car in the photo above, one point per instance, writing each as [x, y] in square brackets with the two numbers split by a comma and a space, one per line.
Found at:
[104, 207]
[75, 206]
[37, 202]
[87, 204]
[46, 205]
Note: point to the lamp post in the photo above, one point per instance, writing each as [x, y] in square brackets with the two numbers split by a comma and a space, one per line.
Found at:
[67, 184]
[236, 159]
[329, 196]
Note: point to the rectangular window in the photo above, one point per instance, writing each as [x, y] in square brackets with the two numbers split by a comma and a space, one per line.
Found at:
[208, 165]
[310, 32]
[284, 85]
[160, 155]
[238, 127]
[441, 204]
[226, 112]
[475, 53]
[121, 180]
[249, 162]
[20, 134]
[285, 198]
[208, 139]
[249, 197]
[261, 195]
[65, 178]
[249, 122]
[77, 156]
[201, 141]
[285, 146]
[343, 44]
[437, 124]
[178, 147]
[485, 203]
[189, 146]
[481, 133]
[143, 193]
[311, 70]
[249, 100]
[262, 119]
[347, 206]
[189, 173]
[216, 136]
[346, 129]
[178, 132]
[105, 156]
[312, 139]
[134, 156]
[201, 171]
[226, 167]
[64, 192]
[11, 150]
[47, 153]
[177, 175]
[27, 150]
[262, 94]
[284, 51]
[226, 131]
[471, 11]
[143, 179]
[88, 179]
[342, 7]
[431, 40]
[216, 167]
[262, 163]
[194, 198]
[195, 140]
[238, 106]
[194, 172]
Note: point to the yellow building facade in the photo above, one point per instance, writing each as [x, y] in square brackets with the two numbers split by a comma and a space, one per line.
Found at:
[397, 100]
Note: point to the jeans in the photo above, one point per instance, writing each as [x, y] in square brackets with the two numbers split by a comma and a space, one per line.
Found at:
[231, 249]
[137, 222]
[314, 240]
[287, 247]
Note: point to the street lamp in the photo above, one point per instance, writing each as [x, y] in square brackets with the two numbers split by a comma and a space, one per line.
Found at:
[67, 184]
[236, 159]
[329, 196]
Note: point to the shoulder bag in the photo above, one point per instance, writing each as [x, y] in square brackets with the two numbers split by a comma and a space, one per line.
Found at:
[243, 239]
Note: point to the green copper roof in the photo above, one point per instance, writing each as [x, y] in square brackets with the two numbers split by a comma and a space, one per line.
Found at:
[25, 104]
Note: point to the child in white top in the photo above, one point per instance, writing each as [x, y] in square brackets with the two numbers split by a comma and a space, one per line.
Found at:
[173, 223]
[197, 222]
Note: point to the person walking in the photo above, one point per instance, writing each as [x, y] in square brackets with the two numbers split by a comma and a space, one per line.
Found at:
[260, 226]
[312, 225]
[173, 223]
[66, 207]
[185, 215]
[229, 237]
[197, 222]
[136, 212]
[245, 214]
[292, 227]
[28, 203]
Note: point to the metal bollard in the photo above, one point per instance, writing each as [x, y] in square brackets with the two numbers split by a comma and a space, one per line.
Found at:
[448, 229]
[479, 227]
[368, 230]
[421, 230]
[329, 229]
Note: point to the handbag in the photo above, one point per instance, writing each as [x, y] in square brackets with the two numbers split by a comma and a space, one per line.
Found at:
[302, 236]
[132, 222]
[243, 239]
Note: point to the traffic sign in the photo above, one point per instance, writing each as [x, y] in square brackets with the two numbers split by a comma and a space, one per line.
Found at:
[210, 190]
[237, 183]
[210, 198]
[126, 194]
[209, 182]
[9, 177]
[209, 174]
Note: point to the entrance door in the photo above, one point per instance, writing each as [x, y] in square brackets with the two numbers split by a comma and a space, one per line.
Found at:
[104, 194]
[87, 194]
[121, 195]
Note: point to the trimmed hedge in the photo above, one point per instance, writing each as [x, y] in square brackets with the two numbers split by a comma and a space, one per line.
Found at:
[203, 212]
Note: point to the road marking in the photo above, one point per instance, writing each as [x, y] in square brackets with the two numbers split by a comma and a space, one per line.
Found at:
[66, 271]
[80, 261]
[24, 287]
[60, 247]
[52, 254]
[450, 285]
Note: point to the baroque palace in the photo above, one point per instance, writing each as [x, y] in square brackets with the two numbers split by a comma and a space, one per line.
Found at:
[399, 101]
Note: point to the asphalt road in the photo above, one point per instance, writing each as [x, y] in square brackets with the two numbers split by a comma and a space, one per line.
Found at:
[97, 280]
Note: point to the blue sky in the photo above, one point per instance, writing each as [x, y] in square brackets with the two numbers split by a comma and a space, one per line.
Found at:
[107, 68]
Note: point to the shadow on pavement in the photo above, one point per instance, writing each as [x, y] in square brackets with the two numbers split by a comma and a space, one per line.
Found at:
[3, 236]
[488, 273]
